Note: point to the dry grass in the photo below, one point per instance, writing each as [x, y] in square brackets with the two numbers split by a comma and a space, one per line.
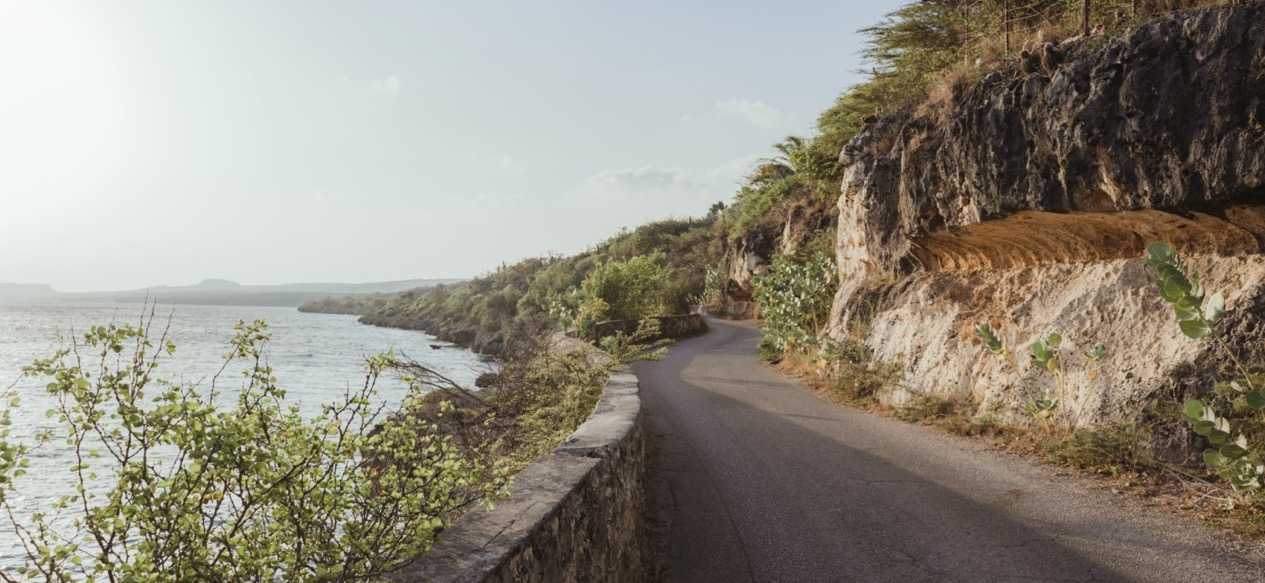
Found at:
[1115, 454]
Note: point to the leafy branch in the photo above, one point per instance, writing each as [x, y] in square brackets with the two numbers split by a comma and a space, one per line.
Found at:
[1230, 455]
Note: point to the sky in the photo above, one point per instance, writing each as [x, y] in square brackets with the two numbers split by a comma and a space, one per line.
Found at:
[145, 143]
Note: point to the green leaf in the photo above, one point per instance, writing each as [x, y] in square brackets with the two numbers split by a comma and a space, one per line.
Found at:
[1159, 253]
[1232, 451]
[1196, 292]
[1256, 399]
[1175, 278]
[1213, 459]
[1194, 409]
[1170, 291]
[1054, 339]
[1096, 353]
[1185, 313]
[1204, 427]
[1216, 307]
[1195, 329]
[1188, 303]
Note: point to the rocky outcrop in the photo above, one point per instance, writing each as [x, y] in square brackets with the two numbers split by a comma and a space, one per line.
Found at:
[1028, 204]
[751, 254]
[487, 341]
[747, 259]
[804, 220]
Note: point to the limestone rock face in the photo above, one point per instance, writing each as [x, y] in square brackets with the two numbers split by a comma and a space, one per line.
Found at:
[748, 259]
[751, 255]
[1028, 203]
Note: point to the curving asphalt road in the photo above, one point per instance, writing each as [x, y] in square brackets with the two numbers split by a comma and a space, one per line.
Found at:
[758, 479]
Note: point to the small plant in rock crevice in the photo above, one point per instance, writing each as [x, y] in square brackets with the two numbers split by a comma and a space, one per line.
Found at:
[1044, 354]
[850, 370]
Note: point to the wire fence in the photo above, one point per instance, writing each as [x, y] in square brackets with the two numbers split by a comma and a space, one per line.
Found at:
[1007, 25]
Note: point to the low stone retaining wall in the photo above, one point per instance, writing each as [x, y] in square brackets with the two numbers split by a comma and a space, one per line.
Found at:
[669, 326]
[578, 514]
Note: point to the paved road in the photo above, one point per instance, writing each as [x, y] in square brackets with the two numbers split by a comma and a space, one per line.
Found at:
[757, 479]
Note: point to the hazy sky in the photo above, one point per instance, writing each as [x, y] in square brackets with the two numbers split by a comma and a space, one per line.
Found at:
[162, 142]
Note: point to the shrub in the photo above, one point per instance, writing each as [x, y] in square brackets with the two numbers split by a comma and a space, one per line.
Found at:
[177, 483]
[1231, 455]
[795, 299]
[850, 370]
[640, 287]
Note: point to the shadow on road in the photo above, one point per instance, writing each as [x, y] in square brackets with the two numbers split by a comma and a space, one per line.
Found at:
[756, 479]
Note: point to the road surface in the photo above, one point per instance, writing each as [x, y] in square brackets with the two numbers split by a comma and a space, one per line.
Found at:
[755, 478]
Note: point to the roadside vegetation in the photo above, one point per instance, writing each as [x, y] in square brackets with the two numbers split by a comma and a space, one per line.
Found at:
[656, 269]
[229, 483]
[225, 480]
[922, 58]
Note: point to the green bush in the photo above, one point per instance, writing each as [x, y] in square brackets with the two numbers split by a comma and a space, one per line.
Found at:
[182, 483]
[640, 287]
[850, 371]
[795, 299]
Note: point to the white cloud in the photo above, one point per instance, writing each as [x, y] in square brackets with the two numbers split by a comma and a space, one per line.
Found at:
[512, 164]
[646, 182]
[638, 182]
[389, 86]
[750, 111]
[731, 173]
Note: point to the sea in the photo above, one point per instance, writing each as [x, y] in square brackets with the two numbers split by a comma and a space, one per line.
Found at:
[315, 358]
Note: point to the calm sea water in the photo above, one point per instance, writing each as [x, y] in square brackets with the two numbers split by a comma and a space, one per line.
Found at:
[315, 357]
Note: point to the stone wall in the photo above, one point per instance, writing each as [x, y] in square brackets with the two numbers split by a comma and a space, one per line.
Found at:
[577, 514]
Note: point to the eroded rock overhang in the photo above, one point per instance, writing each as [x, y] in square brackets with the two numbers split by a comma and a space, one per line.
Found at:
[1028, 204]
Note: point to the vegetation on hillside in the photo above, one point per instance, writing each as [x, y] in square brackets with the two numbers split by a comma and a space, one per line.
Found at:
[921, 59]
[355, 305]
[656, 269]
[227, 481]
[920, 56]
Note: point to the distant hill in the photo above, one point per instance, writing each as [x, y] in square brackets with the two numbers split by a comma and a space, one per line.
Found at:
[26, 291]
[217, 292]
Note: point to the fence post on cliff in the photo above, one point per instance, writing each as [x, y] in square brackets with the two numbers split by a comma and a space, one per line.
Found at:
[1085, 18]
[1005, 18]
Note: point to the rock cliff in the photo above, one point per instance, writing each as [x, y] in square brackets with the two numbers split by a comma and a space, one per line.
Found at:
[1027, 203]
